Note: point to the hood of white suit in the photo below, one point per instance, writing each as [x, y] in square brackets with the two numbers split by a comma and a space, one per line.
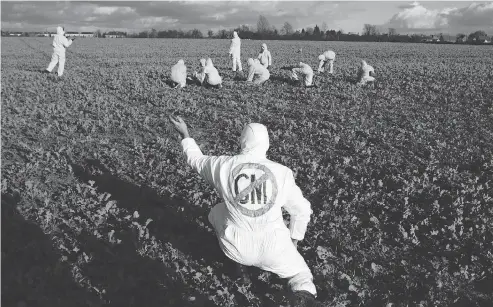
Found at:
[60, 31]
[254, 140]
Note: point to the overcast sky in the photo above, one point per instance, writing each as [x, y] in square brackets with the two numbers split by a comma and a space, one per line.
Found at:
[131, 16]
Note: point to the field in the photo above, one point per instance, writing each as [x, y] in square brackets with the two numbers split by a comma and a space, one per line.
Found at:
[99, 207]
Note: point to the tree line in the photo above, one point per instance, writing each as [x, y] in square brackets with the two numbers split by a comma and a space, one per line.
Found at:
[265, 31]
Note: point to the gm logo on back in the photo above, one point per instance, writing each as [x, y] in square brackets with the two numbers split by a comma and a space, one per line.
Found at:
[254, 189]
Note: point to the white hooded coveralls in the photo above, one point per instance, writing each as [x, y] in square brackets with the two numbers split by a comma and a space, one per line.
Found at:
[200, 75]
[325, 58]
[364, 73]
[306, 71]
[234, 50]
[249, 223]
[179, 73]
[259, 70]
[264, 57]
[60, 42]
[213, 77]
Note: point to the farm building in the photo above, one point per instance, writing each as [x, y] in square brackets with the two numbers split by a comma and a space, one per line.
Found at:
[115, 34]
[461, 39]
[80, 34]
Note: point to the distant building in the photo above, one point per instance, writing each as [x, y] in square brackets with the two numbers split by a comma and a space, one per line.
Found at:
[115, 34]
[445, 38]
[79, 34]
[461, 40]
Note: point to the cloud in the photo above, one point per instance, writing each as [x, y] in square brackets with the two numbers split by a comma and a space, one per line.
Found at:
[134, 16]
[416, 17]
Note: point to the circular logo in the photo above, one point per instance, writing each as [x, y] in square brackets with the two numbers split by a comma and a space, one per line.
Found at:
[256, 193]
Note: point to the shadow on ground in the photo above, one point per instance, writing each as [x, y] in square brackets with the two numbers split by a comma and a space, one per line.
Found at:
[32, 273]
[168, 225]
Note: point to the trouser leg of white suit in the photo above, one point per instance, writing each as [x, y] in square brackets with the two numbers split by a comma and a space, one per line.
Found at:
[294, 72]
[238, 62]
[321, 66]
[331, 66]
[54, 61]
[261, 79]
[61, 64]
[271, 250]
[366, 79]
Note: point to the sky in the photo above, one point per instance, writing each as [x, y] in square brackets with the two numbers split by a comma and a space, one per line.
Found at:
[450, 17]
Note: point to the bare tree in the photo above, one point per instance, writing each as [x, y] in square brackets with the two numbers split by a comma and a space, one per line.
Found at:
[370, 30]
[244, 28]
[324, 27]
[210, 33]
[263, 25]
[287, 29]
[309, 31]
[392, 32]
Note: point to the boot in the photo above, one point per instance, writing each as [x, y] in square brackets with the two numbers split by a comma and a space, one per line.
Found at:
[304, 298]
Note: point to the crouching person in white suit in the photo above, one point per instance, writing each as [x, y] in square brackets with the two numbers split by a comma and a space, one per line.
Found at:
[249, 223]
[179, 74]
[212, 76]
[257, 69]
[200, 75]
[60, 42]
[305, 71]
[364, 73]
[327, 58]
[265, 57]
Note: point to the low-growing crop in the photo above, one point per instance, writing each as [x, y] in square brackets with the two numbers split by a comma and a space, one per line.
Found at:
[400, 176]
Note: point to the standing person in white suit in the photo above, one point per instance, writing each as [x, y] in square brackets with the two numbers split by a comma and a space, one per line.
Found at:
[179, 74]
[212, 76]
[325, 58]
[60, 42]
[257, 69]
[265, 57]
[249, 223]
[235, 50]
[306, 72]
[364, 73]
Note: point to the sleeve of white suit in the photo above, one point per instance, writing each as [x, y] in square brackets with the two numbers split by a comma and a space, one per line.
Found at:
[204, 165]
[66, 43]
[232, 47]
[298, 207]
[251, 72]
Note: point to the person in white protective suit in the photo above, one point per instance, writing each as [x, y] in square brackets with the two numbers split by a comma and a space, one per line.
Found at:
[249, 223]
[327, 58]
[264, 56]
[234, 51]
[212, 76]
[364, 73]
[179, 74]
[305, 71]
[200, 75]
[257, 69]
[60, 42]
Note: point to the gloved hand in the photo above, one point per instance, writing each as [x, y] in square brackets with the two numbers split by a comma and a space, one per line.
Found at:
[73, 38]
[180, 126]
